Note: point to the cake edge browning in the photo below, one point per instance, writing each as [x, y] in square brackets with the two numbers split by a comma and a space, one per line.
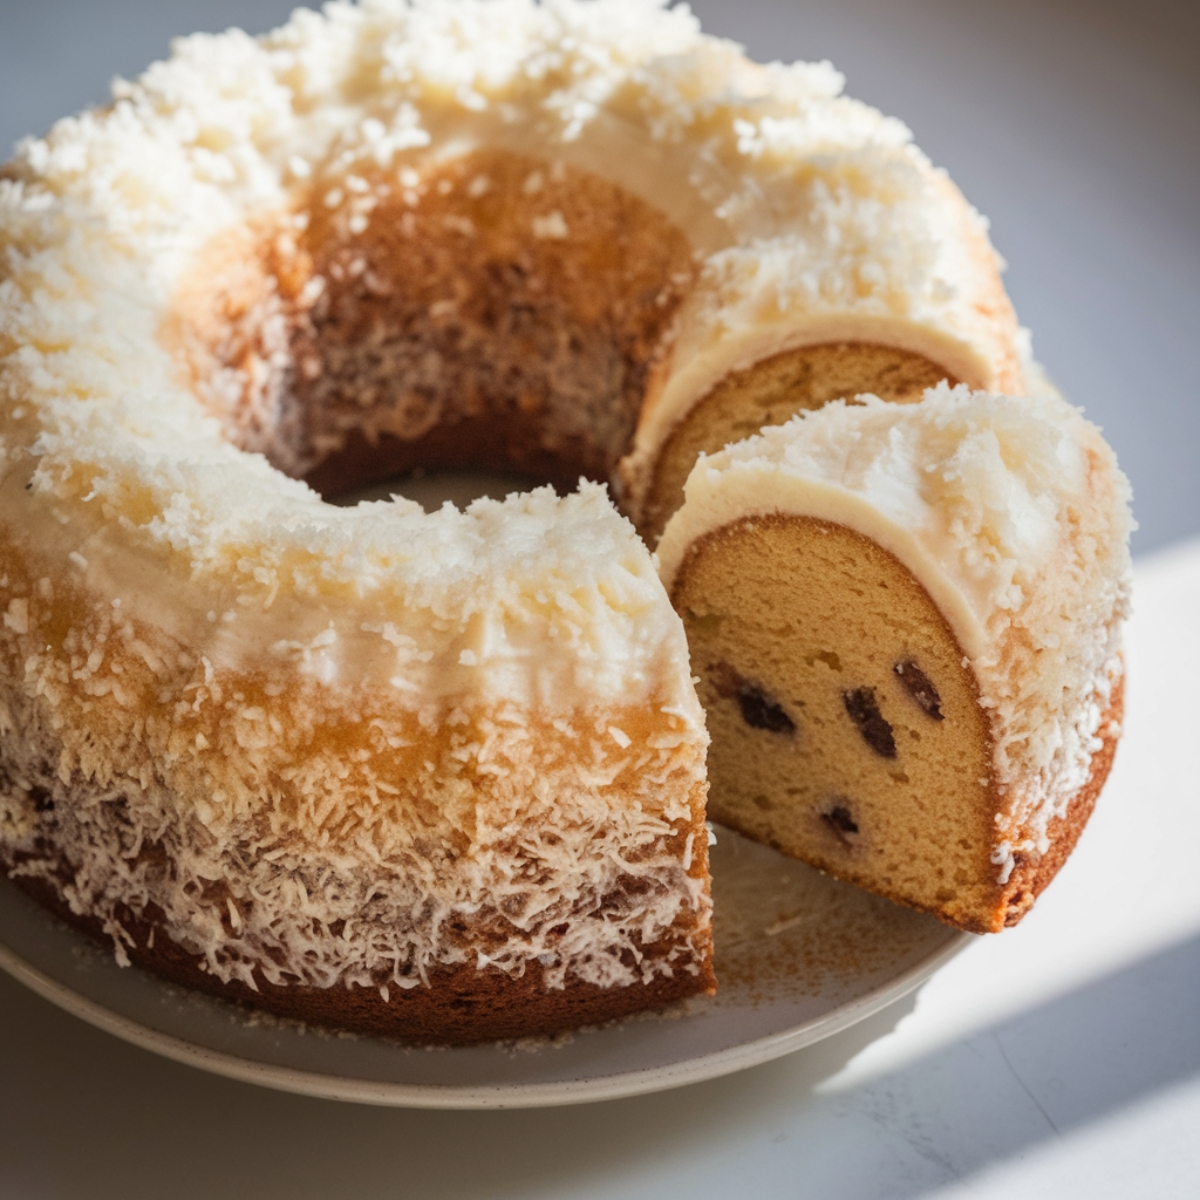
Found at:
[1031, 875]
[461, 1005]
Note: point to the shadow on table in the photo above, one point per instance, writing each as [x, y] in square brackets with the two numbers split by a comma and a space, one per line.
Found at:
[82, 1114]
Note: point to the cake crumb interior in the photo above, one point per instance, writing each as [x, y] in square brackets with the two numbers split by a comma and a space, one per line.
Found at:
[845, 729]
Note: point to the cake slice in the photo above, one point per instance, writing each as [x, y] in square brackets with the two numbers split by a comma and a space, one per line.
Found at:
[906, 624]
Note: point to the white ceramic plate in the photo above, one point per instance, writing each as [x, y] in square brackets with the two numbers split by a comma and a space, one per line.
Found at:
[799, 957]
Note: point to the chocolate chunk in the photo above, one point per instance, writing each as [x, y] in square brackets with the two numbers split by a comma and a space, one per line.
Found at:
[759, 710]
[843, 825]
[919, 688]
[863, 710]
[839, 817]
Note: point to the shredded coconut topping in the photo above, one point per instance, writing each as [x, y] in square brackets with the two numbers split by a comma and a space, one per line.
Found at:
[324, 742]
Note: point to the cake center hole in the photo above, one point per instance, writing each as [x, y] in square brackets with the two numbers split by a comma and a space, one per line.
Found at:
[487, 313]
[432, 489]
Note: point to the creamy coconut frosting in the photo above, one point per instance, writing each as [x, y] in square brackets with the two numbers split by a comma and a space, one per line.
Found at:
[268, 725]
[1014, 517]
[813, 217]
[802, 201]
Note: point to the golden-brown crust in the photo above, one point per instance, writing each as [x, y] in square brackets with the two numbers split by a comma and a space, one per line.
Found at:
[461, 1005]
[1031, 874]
[458, 1003]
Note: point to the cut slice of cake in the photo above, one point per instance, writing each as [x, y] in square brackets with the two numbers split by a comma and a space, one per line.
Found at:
[906, 624]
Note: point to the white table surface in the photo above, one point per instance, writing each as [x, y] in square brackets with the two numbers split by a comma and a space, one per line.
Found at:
[1059, 1059]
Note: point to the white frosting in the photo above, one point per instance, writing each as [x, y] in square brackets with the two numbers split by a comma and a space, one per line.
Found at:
[812, 208]
[1013, 515]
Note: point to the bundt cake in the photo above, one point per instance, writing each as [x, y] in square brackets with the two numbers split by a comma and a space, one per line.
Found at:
[440, 776]
[906, 624]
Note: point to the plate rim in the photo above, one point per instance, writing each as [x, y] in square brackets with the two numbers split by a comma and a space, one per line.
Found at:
[322, 1085]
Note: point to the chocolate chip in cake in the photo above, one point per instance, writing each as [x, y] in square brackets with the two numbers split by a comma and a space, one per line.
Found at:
[841, 822]
[759, 710]
[919, 688]
[863, 710]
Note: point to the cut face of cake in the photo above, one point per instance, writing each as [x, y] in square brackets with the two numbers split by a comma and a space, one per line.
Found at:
[847, 731]
[905, 622]
[771, 392]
